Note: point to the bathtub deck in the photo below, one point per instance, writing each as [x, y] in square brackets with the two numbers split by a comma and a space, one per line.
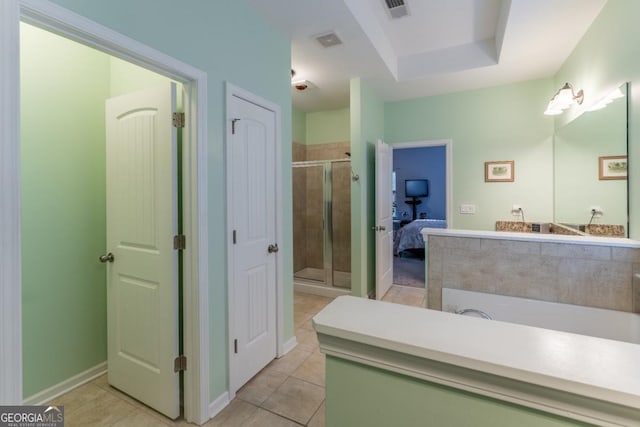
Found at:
[588, 378]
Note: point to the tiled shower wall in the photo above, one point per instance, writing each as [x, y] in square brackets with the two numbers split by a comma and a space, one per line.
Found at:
[314, 233]
[299, 178]
[307, 206]
[588, 275]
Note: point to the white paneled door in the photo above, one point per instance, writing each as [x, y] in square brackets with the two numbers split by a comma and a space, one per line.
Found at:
[383, 227]
[252, 220]
[142, 265]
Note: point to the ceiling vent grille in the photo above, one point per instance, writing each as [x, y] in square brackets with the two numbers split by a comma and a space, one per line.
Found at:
[396, 8]
[328, 39]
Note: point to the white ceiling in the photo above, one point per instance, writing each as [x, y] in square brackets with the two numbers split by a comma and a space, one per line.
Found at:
[442, 46]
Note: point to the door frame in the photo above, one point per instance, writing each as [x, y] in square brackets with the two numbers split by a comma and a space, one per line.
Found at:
[281, 347]
[61, 21]
[380, 232]
[448, 144]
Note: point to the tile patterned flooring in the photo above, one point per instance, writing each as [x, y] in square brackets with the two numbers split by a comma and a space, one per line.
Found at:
[288, 392]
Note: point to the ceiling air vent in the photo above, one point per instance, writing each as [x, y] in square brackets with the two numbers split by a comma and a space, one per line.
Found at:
[328, 39]
[397, 8]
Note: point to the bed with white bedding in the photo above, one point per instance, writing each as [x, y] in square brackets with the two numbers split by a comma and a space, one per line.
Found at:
[409, 237]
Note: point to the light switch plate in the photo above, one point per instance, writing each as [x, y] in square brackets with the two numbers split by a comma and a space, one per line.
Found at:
[467, 209]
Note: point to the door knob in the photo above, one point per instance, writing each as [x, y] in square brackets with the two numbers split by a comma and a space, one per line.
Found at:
[106, 258]
[273, 248]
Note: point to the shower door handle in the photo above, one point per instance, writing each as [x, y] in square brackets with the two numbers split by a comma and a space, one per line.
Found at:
[273, 248]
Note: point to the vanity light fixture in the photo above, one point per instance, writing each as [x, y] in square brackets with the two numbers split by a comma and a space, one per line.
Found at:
[611, 96]
[564, 97]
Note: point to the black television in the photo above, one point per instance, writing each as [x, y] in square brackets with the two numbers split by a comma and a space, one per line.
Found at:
[416, 187]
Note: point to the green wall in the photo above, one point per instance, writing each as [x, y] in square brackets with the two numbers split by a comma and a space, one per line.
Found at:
[63, 88]
[299, 126]
[328, 126]
[499, 123]
[321, 127]
[230, 42]
[608, 55]
[359, 395]
[367, 126]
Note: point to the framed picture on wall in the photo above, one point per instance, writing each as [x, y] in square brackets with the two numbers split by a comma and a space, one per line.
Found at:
[500, 171]
[612, 167]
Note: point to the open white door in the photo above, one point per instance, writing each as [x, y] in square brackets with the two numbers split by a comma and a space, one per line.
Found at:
[252, 218]
[142, 266]
[384, 219]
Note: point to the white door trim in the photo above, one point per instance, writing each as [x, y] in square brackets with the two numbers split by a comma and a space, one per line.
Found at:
[231, 91]
[448, 144]
[10, 270]
[57, 19]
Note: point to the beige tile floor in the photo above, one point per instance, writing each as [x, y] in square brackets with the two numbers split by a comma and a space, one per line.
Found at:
[288, 392]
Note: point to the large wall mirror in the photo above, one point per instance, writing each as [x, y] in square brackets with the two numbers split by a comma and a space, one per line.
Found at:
[590, 167]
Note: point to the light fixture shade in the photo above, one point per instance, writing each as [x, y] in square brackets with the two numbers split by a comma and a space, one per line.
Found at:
[552, 111]
[611, 96]
[564, 98]
[616, 94]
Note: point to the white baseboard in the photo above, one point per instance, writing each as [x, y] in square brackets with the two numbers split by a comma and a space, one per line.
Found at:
[288, 346]
[219, 404]
[66, 385]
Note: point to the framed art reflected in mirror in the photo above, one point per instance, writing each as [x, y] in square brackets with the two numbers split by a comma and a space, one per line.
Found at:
[612, 167]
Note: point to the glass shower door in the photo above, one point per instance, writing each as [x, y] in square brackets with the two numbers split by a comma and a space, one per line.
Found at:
[308, 223]
[341, 223]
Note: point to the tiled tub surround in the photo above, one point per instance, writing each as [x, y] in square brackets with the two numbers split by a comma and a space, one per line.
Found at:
[582, 270]
[459, 370]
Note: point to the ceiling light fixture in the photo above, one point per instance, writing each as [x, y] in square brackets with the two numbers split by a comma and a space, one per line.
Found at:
[564, 97]
[302, 84]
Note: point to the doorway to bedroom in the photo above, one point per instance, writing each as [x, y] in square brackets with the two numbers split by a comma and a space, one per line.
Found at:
[421, 192]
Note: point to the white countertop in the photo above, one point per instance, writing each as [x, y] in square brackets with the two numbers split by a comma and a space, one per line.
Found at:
[599, 369]
[533, 237]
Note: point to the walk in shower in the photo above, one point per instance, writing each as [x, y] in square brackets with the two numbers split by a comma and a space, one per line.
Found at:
[322, 226]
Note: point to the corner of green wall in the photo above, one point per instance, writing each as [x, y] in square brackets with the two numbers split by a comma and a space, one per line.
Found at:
[367, 126]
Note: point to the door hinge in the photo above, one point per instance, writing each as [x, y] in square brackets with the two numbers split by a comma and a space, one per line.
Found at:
[179, 242]
[233, 126]
[178, 120]
[235, 240]
[235, 346]
[180, 363]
